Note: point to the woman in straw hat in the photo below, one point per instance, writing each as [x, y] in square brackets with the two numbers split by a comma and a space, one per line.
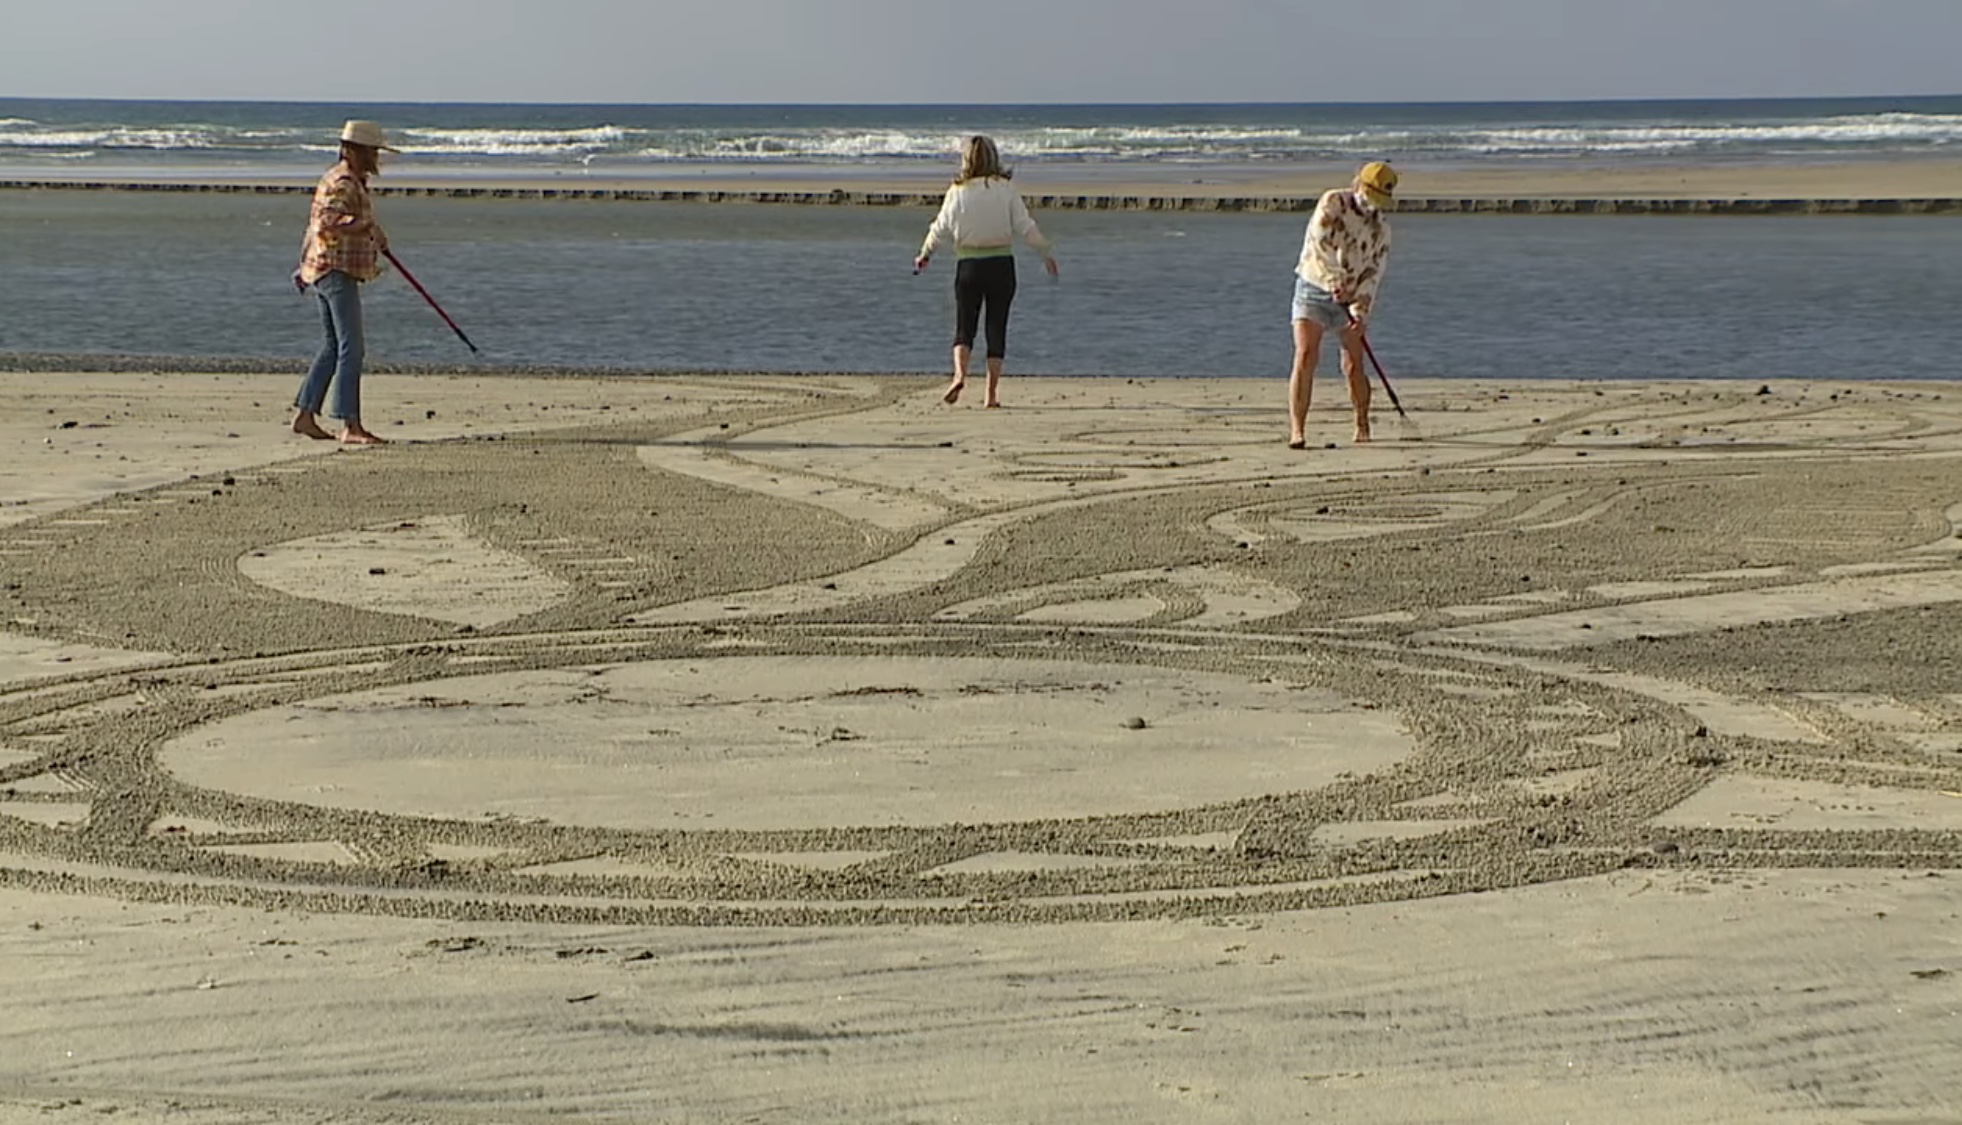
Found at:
[1342, 259]
[343, 248]
[982, 215]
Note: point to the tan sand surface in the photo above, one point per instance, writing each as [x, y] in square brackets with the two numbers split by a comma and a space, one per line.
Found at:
[752, 748]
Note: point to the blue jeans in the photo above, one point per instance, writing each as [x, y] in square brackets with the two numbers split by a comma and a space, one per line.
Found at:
[1316, 304]
[339, 361]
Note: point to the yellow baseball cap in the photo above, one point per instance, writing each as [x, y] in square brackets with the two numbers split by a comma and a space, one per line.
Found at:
[1377, 181]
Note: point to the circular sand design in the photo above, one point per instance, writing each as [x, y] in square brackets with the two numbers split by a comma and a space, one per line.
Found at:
[792, 742]
[517, 777]
[406, 765]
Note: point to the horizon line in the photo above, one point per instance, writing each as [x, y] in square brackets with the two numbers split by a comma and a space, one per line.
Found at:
[1612, 100]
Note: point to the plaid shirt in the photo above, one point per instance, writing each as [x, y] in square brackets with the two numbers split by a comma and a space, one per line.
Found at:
[341, 201]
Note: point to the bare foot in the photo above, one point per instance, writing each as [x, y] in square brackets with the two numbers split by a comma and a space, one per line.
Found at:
[1297, 442]
[1362, 434]
[355, 435]
[954, 390]
[993, 404]
[305, 424]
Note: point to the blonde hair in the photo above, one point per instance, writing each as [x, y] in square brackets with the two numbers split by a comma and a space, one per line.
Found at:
[981, 160]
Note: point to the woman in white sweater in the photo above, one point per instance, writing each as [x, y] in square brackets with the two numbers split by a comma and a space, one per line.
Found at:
[981, 216]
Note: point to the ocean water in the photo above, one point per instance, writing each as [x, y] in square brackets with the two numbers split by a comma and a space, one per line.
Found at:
[621, 140]
[646, 286]
[688, 286]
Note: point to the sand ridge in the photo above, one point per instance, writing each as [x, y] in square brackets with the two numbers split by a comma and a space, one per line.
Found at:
[1930, 185]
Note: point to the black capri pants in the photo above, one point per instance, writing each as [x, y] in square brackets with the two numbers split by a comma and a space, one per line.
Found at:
[978, 283]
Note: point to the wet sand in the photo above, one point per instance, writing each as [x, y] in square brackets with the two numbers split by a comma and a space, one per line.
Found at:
[1425, 185]
[750, 747]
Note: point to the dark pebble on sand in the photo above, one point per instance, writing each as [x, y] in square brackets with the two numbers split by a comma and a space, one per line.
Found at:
[1135, 723]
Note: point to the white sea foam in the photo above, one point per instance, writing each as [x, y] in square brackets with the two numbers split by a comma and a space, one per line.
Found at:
[1339, 132]
[1232, 142]
[510, 142]
[113, 137]
[1895, 129]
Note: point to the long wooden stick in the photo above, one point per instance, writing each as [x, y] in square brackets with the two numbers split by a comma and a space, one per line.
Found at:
[1382, 378]
[411, 279]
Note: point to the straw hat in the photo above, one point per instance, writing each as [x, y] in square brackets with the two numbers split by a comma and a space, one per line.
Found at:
[1377, 181]
[367, 134]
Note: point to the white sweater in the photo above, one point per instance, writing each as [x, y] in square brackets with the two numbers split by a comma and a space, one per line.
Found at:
[983, 215]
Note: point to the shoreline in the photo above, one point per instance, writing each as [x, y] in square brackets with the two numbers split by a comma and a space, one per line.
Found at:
[1846, 187]
[106, 363]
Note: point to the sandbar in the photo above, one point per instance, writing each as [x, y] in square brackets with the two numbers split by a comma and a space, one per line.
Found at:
[1426, 185]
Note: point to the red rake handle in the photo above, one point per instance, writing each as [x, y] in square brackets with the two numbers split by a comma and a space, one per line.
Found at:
[1380, 377]
[411, 279]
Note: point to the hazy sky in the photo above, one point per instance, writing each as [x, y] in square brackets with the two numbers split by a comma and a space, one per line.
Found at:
[1004, 51]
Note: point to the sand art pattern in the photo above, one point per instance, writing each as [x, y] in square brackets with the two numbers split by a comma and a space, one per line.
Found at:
[819, 651]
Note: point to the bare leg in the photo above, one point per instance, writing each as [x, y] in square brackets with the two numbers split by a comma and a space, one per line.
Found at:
[354, 433]
[306, 424]
[1352, 366]
[1301, 380]
[961, 355]
[994, 382]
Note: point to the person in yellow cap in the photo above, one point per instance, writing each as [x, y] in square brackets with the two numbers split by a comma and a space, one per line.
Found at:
[1335, 281]
[343, 248]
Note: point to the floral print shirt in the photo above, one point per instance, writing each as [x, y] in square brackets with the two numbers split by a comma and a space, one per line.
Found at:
[341, 233]
[1346, 249]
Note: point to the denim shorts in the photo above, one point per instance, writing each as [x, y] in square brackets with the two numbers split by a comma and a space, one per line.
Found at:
[1316, 305]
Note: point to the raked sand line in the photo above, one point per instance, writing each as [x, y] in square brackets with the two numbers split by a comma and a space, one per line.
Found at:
[434, 566]
[1721, 714]
[933, 557]
[723, 463]
[1133, 596]
[1602, 625]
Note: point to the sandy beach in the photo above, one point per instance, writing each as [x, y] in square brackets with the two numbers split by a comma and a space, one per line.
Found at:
[757, 748]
